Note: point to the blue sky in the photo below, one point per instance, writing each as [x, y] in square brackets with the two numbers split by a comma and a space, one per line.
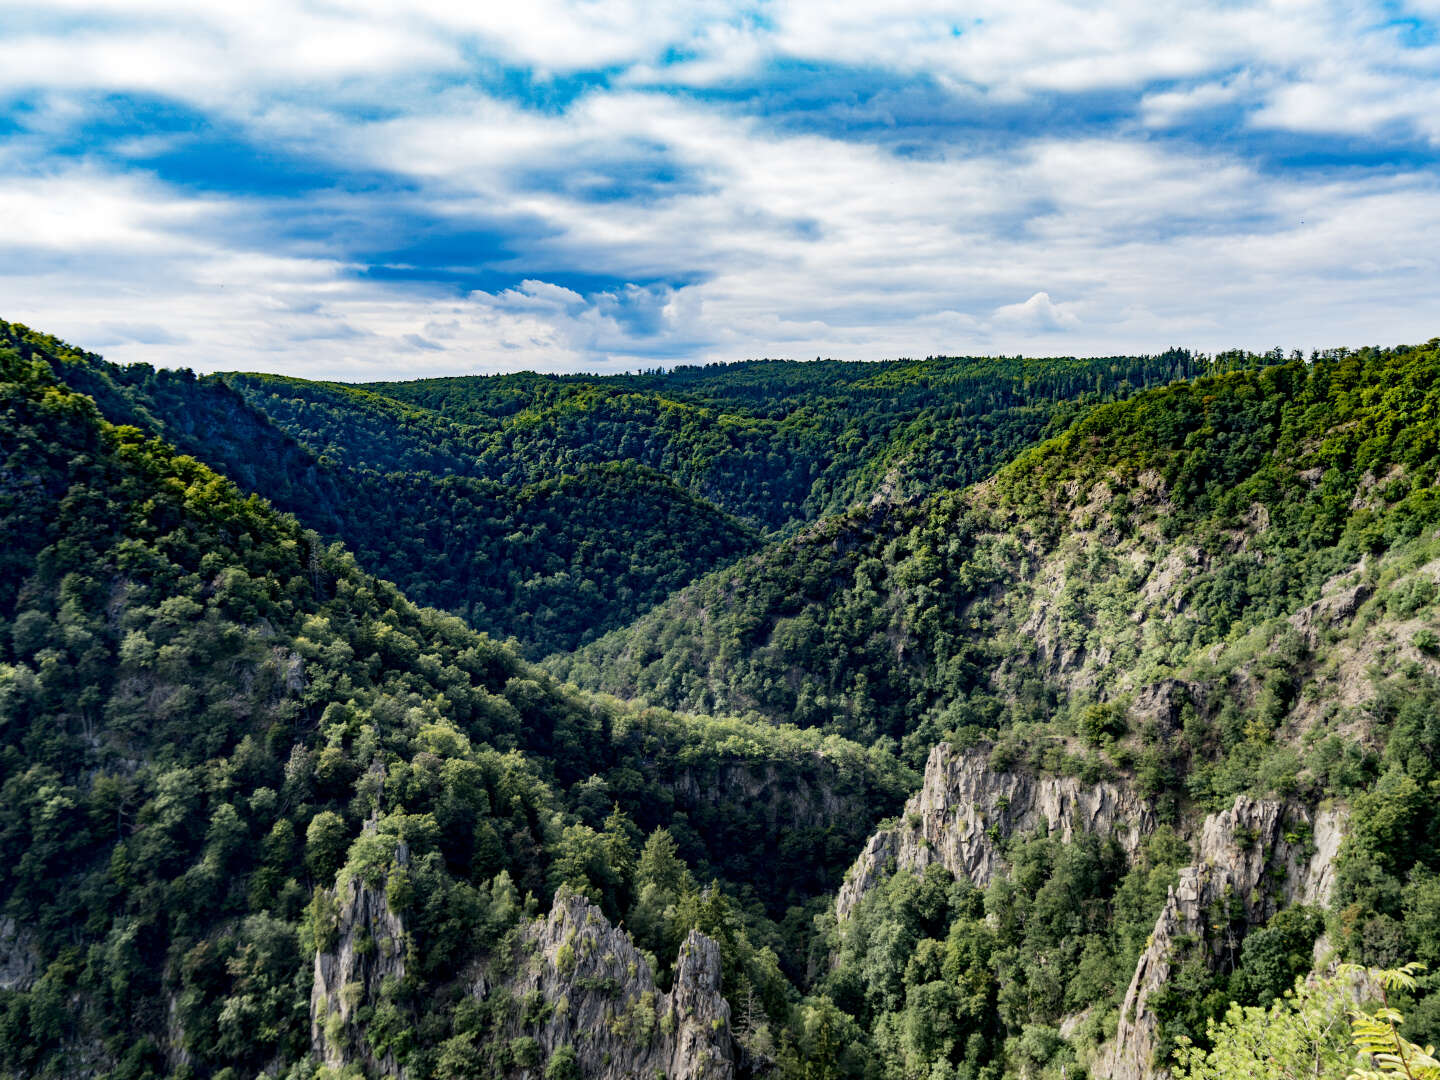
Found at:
[361, 190]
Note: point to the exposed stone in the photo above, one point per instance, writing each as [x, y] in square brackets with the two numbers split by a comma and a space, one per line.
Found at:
[965, 809]
[18, 964]
[1162, 703]
[370, 947]
[1313, 884]
[1335, 608]
[1072, 1023]
[1254, 858]
[177, 1051]
[582, 983]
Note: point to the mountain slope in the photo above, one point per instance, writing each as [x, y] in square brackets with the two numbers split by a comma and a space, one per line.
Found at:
[1106, 558]
[1174, 676]
[1167, 655]
[206, 713]
[553, 561]
[554, 509]
[779, 442]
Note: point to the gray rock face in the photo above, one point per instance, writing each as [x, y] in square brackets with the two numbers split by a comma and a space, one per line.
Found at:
[1252, 858]
[581, 983]
[1335, 608]
[792, 799]
[1162, 703]
[964, 810]
[370, 947]
[18, 964]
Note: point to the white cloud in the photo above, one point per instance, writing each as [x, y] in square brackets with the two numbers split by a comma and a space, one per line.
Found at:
[1356, 103]
[224, 55]
[1039, 315]
[791, 242]
[85, 211]
[222, 64]
[1147, 247]
[1167, 107]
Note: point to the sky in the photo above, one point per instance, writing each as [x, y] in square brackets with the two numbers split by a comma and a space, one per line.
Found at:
[361, 190]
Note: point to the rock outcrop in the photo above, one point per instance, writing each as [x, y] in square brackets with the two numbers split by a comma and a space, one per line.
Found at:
[1251, 860]
[19, 965]
[1340, 598]
[1162, 704]
[964, 810]
[580, 983]
[784, 799]
[369, 948]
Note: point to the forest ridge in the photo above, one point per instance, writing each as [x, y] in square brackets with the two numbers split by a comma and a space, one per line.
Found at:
[415, 674]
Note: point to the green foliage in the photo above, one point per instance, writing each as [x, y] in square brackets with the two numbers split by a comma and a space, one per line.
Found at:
[1275, 955]
[563, 1065]
[1101, 721]
[913, 621]
[552, 509]
[214, 724]
[1310, 1032]
[949, 978]
[551, 558]
[777, 441]
[1303, 1034]
[203, 704]
[1376, 1034]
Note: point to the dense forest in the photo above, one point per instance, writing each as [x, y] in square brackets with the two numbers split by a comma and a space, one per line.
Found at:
[518, 700]
[552, 510]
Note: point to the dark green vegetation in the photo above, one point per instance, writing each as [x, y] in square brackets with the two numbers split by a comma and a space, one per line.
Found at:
[944, 973]
[201, 703]
[209, 707]
[1225, 586]
[550, 561]
[905, 621]
[778, 442]
[552, 509]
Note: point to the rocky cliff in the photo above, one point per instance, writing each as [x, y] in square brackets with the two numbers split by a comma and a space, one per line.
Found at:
[783, 798]
[965, 809]
[18, 963]
[367, 948]
[1250, 861]
[577, 985]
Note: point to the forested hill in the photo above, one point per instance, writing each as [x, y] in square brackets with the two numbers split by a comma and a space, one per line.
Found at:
[1217, 603]
[1231, 498]
[780, 442]
[207, 712]
[553, 509]
[1171, 668]
[552, 561]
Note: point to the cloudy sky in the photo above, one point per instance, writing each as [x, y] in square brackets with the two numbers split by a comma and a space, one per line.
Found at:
[358, 189]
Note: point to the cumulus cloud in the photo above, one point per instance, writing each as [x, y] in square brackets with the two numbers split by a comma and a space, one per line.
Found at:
[1039, 314]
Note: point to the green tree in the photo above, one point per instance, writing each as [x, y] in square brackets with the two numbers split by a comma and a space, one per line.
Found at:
[1305, 1034]
[327, 839]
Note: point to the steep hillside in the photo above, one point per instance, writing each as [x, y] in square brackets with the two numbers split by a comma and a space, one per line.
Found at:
[1173, 677]
[218, 736]
[779, 442]
[552, 561]
[1183, 663]
[553, 509]
[1097, 564]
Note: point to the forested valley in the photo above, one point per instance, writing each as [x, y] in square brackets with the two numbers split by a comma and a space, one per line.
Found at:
[976, 718]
